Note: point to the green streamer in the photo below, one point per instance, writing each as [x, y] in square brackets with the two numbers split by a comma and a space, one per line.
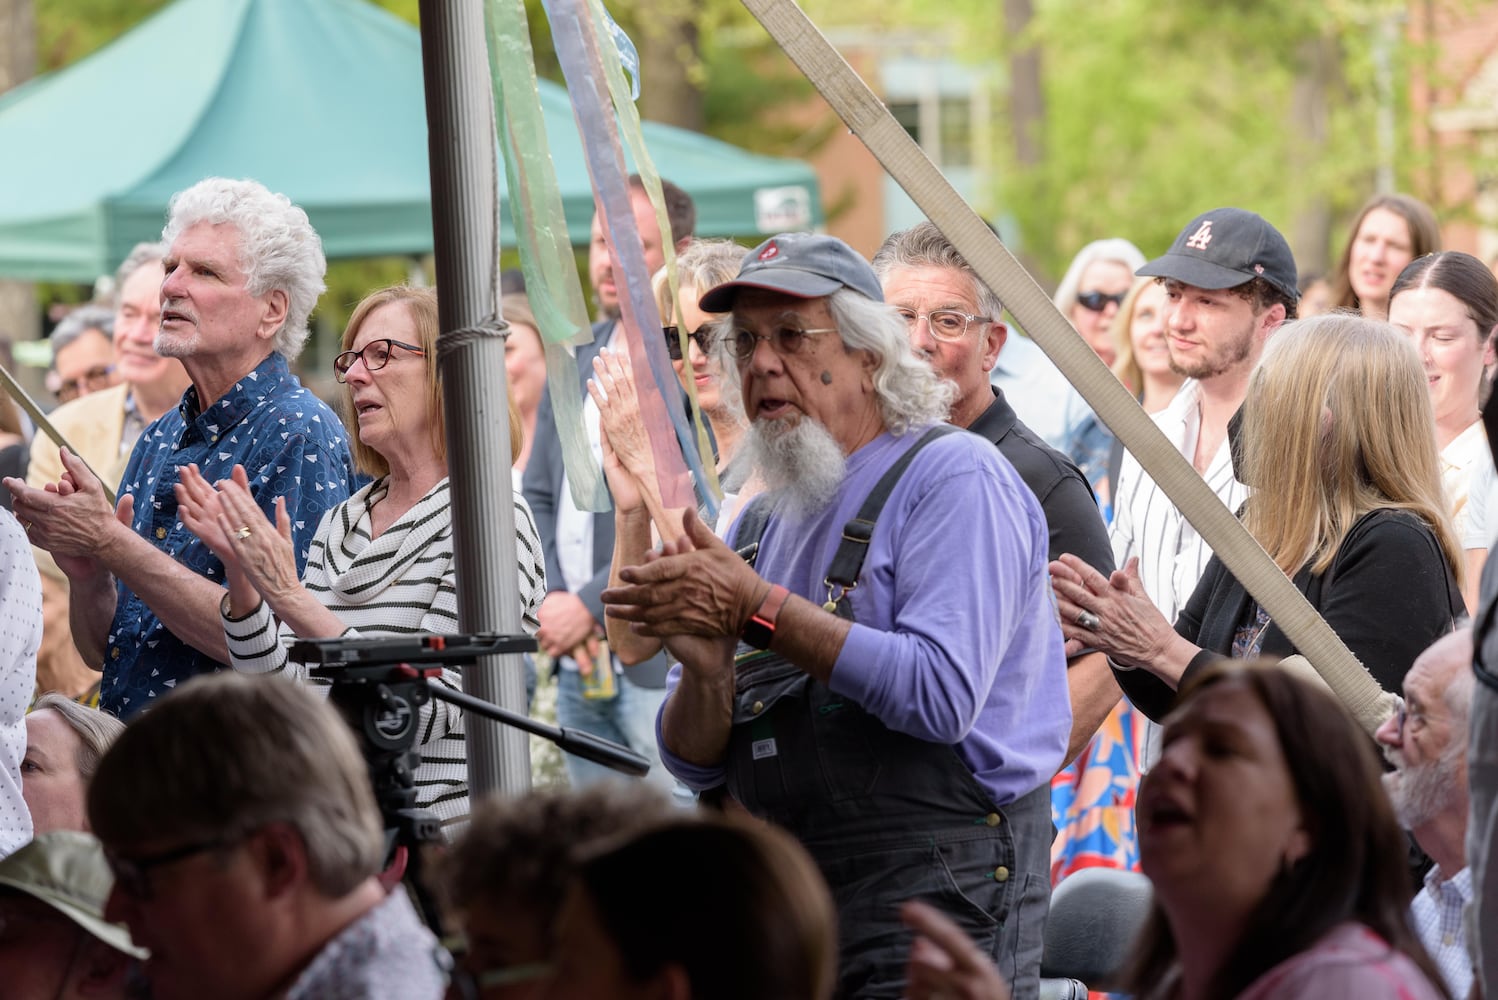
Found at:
[551, 281]
[634, 137]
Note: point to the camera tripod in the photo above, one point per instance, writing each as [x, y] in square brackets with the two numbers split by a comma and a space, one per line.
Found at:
[379, 686]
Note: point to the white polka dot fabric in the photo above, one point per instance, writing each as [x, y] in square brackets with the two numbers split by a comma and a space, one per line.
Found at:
[20, 636]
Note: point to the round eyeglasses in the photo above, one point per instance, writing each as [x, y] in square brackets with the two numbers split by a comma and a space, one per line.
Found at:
[375, 355]
[785, 340]
[945, 324]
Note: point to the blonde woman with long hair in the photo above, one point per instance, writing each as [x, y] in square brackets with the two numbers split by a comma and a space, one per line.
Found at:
[1336, 443]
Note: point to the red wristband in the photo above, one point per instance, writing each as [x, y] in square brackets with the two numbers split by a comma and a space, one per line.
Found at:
[759, 630]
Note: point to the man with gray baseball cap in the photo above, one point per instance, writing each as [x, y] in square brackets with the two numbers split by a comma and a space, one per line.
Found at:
[1229, 282]
[54, 940]
[885, 678]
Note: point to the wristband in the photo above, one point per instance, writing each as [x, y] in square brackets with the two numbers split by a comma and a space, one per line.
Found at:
[759, 630]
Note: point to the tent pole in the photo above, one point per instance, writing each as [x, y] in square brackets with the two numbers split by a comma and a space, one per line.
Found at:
[460, 141]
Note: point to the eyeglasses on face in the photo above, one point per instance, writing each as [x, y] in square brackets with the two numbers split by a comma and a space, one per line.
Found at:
[785, 340]
[1098, 301]
[375, 355]
[90, 381]
[945, 324]
[132, 876]
[1407, 718]
[700, 336]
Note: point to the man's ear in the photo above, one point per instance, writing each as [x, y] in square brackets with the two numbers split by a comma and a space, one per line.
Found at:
[277, 303]
[280, 856]
[993, 343]
[101, 969]
[1272, 319]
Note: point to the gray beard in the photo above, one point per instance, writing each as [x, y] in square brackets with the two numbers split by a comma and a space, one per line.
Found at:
[802, 465]
[170, 346]
[1422, 792]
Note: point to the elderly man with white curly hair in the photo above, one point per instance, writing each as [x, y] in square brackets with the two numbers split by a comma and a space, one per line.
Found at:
[883, 674]
[244, 268]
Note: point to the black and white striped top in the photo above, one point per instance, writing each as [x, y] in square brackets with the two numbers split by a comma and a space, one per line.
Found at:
[1147, 524]
[402, 582]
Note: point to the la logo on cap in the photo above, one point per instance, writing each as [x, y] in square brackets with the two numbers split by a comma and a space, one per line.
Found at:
[1202, 236]
[769, 252]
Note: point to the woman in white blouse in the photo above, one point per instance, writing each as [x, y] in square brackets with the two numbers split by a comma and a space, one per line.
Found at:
[1447, 303]
[381, 562]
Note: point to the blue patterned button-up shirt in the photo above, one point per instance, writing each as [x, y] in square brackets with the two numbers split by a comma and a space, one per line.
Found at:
[290, 442]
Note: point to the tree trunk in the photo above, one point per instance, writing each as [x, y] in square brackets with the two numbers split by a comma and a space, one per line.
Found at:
[668, 56]
[19, 319]
[1026, 105]
[1026, 97]
[1310, 226]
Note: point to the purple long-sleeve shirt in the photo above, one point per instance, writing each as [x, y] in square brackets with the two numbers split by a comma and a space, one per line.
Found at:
[956, 638]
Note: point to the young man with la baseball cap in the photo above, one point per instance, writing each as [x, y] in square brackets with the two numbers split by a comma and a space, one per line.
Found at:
[1230, 282]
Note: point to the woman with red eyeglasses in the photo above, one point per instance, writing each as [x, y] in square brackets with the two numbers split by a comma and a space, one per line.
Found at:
[382, 561]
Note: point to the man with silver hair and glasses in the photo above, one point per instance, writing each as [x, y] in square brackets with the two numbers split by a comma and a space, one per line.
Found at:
[102, 428]
[239, 821]
[954, 322]
[243, 269]
[884, 675]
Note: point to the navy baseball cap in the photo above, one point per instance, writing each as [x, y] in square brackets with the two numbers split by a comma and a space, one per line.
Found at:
[1225, 248]
[802, 265]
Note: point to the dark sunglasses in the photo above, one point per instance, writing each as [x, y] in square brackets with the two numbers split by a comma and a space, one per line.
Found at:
[673, 340]
[1098, 301]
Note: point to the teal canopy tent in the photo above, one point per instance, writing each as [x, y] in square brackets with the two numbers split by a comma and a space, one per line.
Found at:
[318, 99]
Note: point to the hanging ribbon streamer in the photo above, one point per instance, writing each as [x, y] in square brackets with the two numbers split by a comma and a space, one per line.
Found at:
[634, 135]
[551, 281]
[582, 59]
[629, 56]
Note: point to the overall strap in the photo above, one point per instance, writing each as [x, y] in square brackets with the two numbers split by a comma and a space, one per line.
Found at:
[750, 527]
[848, 560]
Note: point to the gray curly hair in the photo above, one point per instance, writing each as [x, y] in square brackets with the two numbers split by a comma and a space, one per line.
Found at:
[278, 249]
[910, 392]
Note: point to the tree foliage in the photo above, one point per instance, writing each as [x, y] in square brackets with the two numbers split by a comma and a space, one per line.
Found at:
[1160, 109]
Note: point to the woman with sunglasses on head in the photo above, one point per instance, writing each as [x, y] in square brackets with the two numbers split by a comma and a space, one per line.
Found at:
[640, 516]
[382, 561]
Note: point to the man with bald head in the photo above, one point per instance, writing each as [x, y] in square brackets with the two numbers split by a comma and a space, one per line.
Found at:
[1426, 740]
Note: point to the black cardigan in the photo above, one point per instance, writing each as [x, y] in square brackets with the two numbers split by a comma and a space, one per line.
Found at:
[1388, 594]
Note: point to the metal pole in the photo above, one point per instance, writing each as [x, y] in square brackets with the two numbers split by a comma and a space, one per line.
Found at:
[460, 140]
